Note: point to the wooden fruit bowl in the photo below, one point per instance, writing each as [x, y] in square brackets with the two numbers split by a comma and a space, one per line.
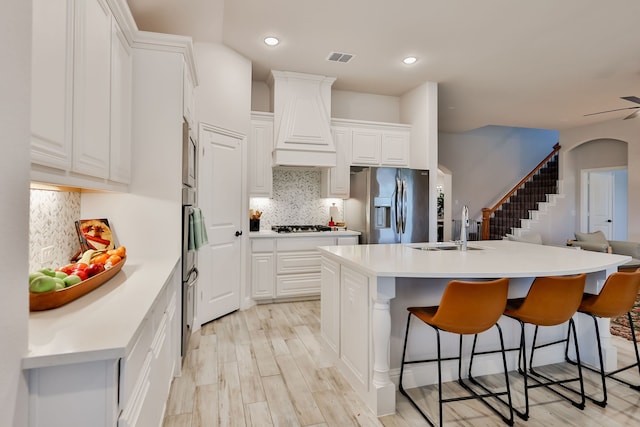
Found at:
[53, 299]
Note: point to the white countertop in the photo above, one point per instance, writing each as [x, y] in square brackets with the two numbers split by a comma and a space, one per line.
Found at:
[272, 234]
[498, 258]
[102, 324]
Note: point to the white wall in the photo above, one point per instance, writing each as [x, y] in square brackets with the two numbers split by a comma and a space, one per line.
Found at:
[15, 51]
[223, 95]
[344, 104]
[365, 106]
[486, 163]
[622, 130]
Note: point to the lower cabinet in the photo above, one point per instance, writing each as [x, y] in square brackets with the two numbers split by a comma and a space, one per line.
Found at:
[131, 391]
[345, 320]
[289, 267]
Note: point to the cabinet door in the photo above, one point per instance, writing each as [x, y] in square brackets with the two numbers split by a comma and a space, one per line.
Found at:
[262, 275]
[52, 83]
[366, 147]
[121, 78]
[298, 285]
[92, 88]
[395, 149]
[354, 324]
[259, 158]
[335, 181]
[330, 303]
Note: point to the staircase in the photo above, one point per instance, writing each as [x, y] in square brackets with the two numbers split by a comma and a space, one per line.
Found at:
[520, 204]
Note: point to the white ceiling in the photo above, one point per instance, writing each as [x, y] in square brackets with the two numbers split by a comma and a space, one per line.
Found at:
[536, 63]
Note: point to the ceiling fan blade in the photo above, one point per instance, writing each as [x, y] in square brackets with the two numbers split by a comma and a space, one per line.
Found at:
[632, 115]
[632, 99]
[610, 111]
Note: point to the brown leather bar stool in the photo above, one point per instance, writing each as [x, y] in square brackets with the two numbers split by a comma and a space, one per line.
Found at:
[550, 301]
[616, 298]
[466, 308]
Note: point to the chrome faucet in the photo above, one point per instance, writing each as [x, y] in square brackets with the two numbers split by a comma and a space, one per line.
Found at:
[463, 228]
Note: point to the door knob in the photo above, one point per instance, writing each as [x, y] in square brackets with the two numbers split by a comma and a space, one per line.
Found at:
[609, 220]
[238, 233]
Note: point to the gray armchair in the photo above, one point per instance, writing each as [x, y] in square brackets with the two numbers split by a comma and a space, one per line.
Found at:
[597, 242]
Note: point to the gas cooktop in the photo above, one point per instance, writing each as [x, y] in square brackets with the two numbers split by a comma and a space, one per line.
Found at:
[299, 228]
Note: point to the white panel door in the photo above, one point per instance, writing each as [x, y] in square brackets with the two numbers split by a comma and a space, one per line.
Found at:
[220, 198]
[601, 203]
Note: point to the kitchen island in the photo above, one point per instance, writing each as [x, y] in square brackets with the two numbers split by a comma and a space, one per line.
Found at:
[366, 289]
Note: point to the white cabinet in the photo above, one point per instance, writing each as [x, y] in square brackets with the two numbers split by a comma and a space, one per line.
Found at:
[92, 90]
[354, 324]
[262, 268]
[380, 144]
[287, 267]
[147, 371]
[366, 147]
[259, 155]
[52, 83]
[121, 92]
[335, 181]
[330, 303]
[81, 95]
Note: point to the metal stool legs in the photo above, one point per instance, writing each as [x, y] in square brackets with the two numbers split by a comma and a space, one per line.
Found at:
[604, 375]
[541, 380]
[508, 419]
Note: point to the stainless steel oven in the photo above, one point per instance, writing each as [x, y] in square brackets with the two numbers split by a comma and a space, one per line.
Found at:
[189, 256]
[189, 270]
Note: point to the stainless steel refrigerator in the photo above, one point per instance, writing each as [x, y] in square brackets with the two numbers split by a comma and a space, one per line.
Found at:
[388, 205]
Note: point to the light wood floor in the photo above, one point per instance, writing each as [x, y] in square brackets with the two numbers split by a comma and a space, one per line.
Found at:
[266, 367]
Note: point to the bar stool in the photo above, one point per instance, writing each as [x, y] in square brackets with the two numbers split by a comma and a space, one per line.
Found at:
[466, 308]
[550, 301]
[616, 298]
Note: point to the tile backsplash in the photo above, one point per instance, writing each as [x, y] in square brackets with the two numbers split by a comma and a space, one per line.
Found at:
[52, 223]
[296, 200]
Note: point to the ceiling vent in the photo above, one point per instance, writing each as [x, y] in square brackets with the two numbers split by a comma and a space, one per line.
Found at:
[340, 57]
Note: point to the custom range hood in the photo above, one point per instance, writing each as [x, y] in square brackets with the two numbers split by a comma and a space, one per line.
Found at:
[301, 119]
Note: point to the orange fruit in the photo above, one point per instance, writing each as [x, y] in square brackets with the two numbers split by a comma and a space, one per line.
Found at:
[100, 259]
[121, 251]
[114, 259]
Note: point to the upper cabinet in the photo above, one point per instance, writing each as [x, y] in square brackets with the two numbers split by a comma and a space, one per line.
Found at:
[380, 144]
[81, 93]
[52, 83]
[259, 155]
[91, 89]
[336, 181]
[121, 93]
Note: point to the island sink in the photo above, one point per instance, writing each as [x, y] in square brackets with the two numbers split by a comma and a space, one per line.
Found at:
[446, 247]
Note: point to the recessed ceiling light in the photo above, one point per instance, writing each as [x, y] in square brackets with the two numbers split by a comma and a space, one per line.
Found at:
[271, 41]
[410, 60]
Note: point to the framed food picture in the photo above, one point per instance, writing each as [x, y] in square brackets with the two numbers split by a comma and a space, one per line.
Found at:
[95, 234]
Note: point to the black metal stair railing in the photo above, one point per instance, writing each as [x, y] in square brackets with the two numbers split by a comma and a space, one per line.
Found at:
[524, 197]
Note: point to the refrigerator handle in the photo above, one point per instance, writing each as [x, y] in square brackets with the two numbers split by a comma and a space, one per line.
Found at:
[397, 202]
[404, 205]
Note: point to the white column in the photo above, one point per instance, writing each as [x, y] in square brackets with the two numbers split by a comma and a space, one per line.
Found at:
[382, 385]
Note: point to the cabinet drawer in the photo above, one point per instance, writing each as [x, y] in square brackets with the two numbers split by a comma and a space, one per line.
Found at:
[304, 243]
[262, 245]
[298, 285]
[132, 364]
[351, 240]
[298, 262]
